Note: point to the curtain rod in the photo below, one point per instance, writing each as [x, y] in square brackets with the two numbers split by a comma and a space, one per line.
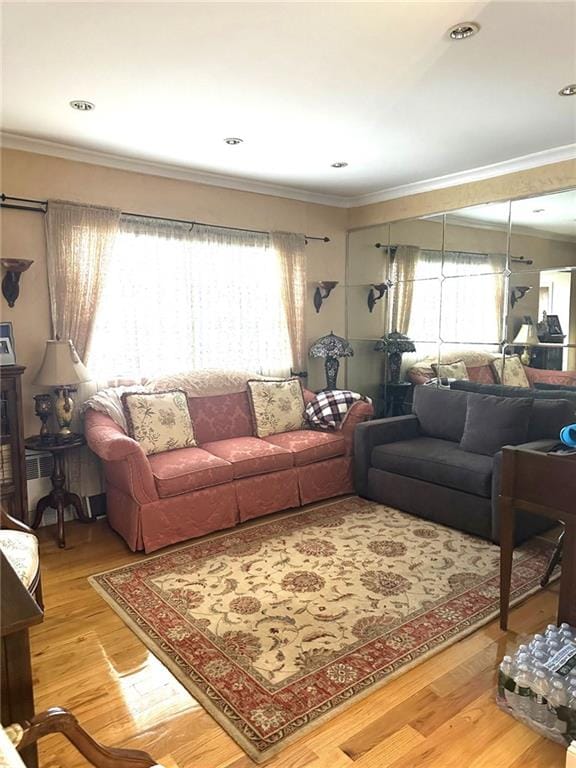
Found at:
[515, 259]
[43, 206]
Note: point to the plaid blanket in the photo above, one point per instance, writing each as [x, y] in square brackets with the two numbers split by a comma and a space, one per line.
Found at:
[329, 407]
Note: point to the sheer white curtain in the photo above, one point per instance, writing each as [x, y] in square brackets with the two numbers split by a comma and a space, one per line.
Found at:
[465, 305]
[178, 297]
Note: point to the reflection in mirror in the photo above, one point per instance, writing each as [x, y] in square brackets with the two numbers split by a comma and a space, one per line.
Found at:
[472, 309]
[476, 240]
[543, 232]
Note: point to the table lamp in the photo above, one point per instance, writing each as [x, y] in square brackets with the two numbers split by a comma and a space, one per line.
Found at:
[331, 347]
[62, 369]
[526, 337]
[394, 344]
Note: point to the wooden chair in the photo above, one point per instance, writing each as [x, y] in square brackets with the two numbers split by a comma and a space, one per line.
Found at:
[19, 545]
[56, 720]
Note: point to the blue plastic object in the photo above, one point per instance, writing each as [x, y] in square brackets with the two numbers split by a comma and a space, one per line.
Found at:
[568, 435]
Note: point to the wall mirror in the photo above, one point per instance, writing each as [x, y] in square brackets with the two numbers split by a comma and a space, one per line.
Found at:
[486, 292]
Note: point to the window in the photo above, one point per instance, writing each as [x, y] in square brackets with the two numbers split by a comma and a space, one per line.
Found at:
[175, 300]
[464, 307]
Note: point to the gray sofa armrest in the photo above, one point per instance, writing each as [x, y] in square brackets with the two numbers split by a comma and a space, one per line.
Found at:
[536, 445]
[369, 434]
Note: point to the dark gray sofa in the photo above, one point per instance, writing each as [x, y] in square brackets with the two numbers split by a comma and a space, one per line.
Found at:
[414, 463]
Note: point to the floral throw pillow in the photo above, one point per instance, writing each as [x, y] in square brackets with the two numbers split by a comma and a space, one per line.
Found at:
[510, 371]
[455, 370]
[159, 421]
[277, 406]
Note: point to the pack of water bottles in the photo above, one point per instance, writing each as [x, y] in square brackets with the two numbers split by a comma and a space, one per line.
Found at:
[537, 685]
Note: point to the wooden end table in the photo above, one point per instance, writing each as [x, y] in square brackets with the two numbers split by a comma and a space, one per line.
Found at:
[59, 497]
[544, 484]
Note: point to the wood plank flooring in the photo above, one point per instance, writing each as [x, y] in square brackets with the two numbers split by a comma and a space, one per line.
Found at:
[441, 714]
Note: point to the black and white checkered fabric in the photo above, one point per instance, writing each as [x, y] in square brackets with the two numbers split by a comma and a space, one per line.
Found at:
[329, 407]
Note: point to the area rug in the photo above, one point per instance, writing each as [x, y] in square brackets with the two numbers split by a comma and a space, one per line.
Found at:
[279, 625]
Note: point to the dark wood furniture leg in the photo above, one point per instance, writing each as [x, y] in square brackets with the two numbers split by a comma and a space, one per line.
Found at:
[554, 561]
[57, 720]
[17, 690]
[506, 554]
[567, 600]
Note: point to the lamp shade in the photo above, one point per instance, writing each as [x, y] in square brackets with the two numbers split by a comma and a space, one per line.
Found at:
[331, 346]
[394, 342]
[61, 366]
[526, 335]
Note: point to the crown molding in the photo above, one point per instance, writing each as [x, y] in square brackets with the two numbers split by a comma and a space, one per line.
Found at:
[524, 163]
[167, 170]
[182, 173]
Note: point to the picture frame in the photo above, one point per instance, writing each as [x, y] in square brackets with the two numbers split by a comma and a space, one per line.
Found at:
[6, 352]
[554, 327]
[7, 332]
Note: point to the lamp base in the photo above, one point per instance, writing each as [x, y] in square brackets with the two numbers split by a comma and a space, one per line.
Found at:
[64, 408]
[526, 356]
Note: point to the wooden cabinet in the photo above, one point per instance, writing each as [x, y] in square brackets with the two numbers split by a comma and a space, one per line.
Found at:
[12, 456]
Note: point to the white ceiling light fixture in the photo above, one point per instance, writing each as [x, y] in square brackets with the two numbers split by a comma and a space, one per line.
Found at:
[233, 141]
[464, 30]
[568, 90]
[82, 106]
[339, 165]
[538, 210]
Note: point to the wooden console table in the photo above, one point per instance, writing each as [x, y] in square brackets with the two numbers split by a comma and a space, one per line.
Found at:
[544, 484]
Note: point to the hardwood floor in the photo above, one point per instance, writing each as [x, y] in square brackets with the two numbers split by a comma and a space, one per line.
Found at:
[441, 714]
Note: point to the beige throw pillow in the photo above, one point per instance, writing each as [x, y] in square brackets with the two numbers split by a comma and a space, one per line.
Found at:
[510, 371]
[159, 421]
[277, 406]
[455, 370]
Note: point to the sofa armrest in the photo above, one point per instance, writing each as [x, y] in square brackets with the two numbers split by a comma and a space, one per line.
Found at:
[535, 445]
[125, 463]
[541, 375]
[372, 433]
[359, 412]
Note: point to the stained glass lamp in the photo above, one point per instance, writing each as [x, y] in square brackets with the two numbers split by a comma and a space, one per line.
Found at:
[332, 348]
[394, 344]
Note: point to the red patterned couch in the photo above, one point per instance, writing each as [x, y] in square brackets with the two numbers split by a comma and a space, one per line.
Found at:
[153, 501]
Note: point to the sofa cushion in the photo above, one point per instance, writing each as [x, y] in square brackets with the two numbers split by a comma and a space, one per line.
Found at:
[250, 455]
[159, 421]
[308, 446]
[188, 469]
[21, 551]
[221, 416]
[441, 462]
[277, 406]
[510, 371]
[455, 370]
[492, 422]
[549, 416]
[483, 374]
[441, 412]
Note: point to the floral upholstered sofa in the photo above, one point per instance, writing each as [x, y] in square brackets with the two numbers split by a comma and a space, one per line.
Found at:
[231, 476]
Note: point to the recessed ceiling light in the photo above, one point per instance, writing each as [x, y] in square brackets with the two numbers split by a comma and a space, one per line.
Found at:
[339, 165]
[538, 210]
[568, 90]
[464, 30]
[232, 141]
[82, 106]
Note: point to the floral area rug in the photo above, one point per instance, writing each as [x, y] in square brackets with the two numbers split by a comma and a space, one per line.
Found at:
[278, 625]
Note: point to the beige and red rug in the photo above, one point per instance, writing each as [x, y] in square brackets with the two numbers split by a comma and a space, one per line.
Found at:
[277, 625]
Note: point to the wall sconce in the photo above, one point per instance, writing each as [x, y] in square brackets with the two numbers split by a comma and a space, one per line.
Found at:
[323, 290]
[11, 281]
[518, 293]
[376, 293]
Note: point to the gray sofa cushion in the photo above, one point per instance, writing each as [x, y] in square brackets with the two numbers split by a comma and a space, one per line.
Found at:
[492, 422]
[547, 419]
[554, 387]
[441, 412]
[436, 461]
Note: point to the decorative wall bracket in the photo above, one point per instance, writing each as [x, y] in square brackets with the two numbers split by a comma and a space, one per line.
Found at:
[376, 293]
[11, 281]
[323, 290]
[518, 293]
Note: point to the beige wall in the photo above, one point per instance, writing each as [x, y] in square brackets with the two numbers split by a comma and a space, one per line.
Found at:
[39, 176]
[521, 184]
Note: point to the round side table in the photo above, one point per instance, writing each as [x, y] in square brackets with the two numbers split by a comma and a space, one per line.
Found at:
[59, 497]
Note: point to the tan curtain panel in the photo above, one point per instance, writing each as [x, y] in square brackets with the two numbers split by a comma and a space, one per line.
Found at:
[290, 248]
[79, 240]
[403, 273]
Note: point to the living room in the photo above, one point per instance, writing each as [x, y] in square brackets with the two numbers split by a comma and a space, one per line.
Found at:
[344, 593]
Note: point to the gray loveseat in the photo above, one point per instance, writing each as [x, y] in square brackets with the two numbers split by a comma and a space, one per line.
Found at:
[415, 463]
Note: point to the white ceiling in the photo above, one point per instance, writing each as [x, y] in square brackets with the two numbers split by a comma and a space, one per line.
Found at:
[376, 84]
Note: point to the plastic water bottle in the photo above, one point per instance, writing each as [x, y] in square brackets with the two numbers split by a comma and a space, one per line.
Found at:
[522, 692]
[505, 678]
[539, 704]
[557, 698]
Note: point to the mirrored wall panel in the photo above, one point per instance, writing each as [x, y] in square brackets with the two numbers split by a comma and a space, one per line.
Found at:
[482, 297]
